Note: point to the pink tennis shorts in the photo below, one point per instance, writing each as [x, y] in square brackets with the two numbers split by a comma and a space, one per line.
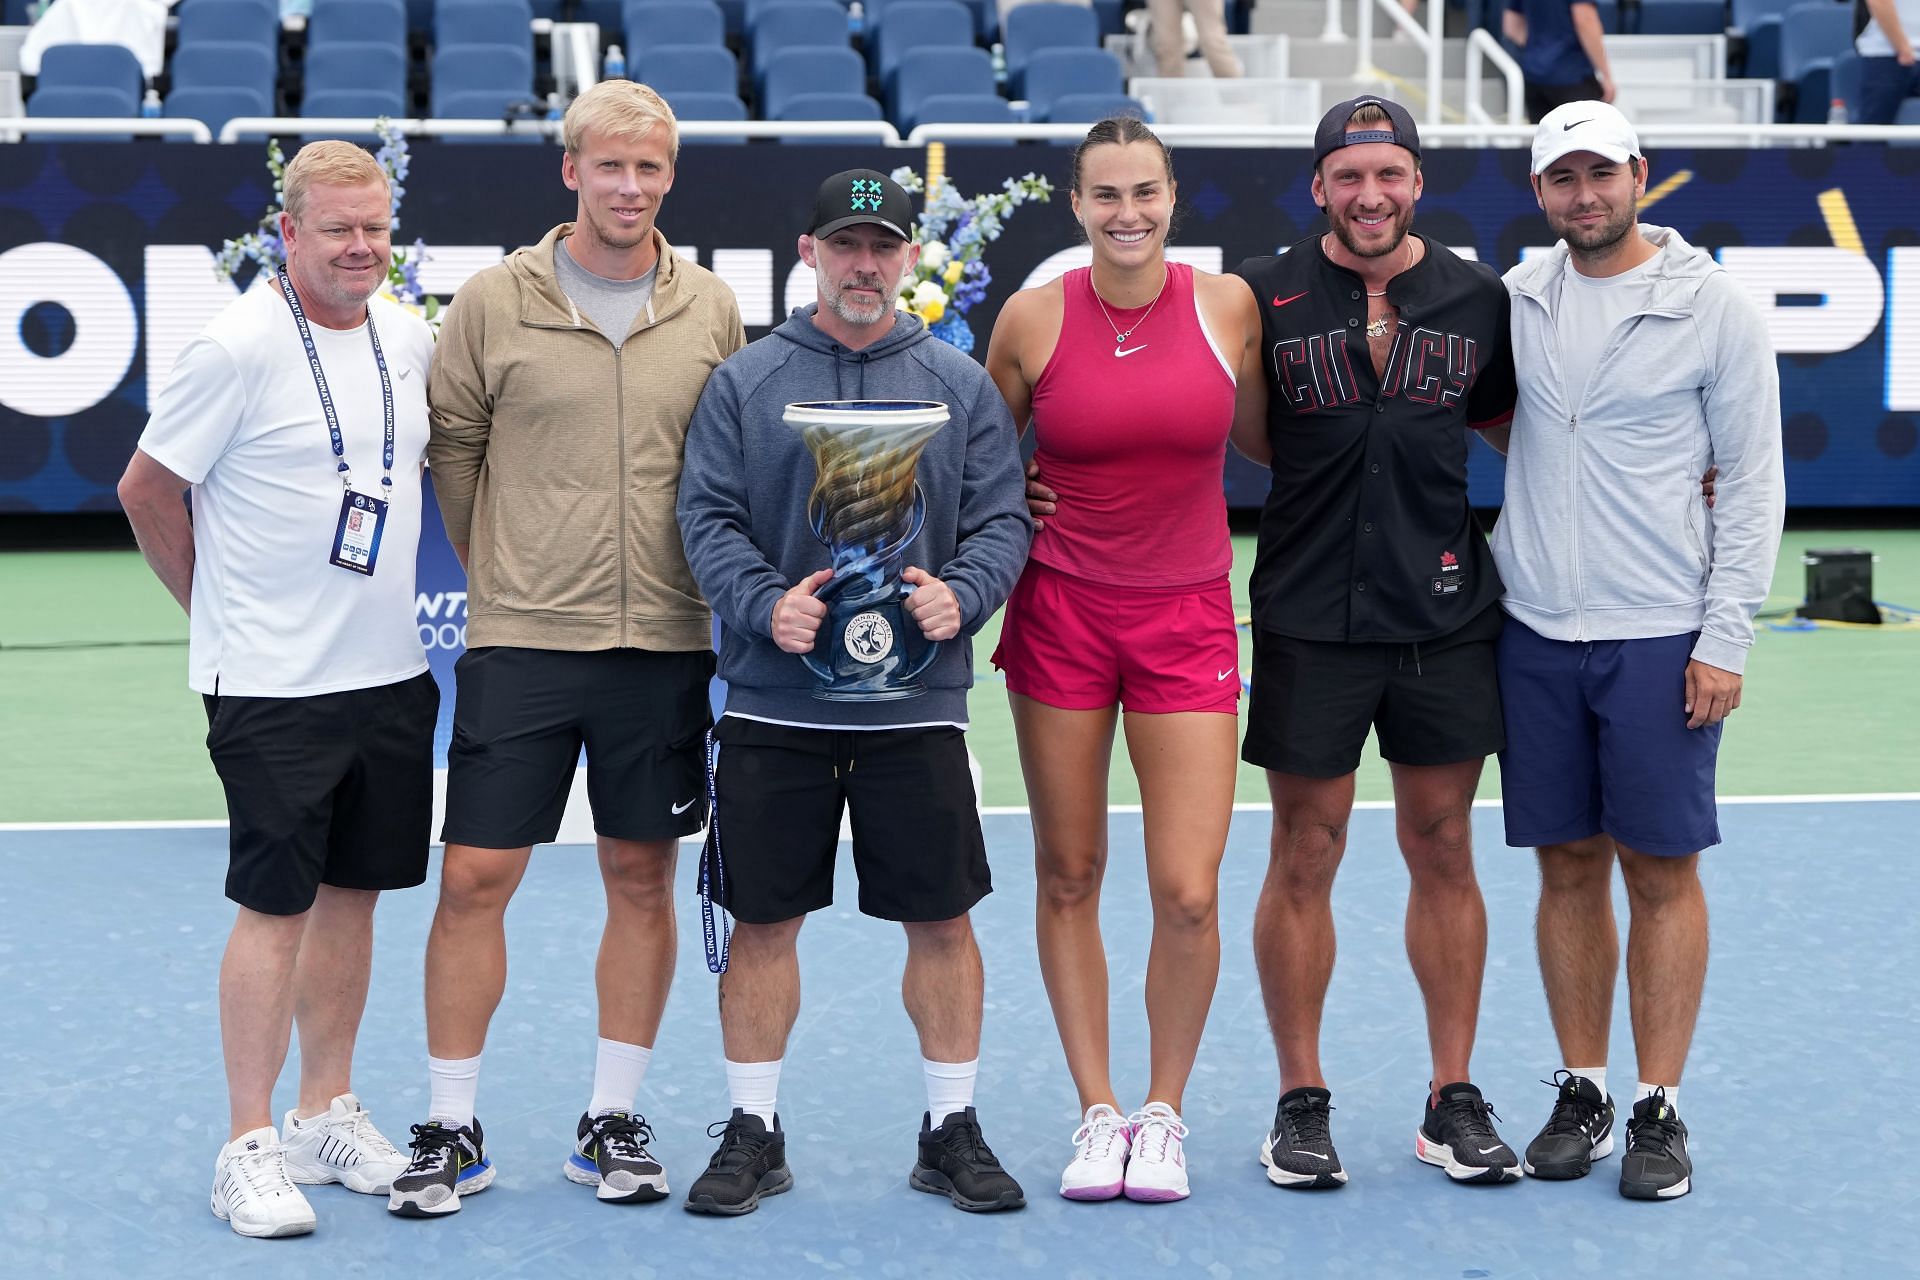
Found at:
[1083, 645]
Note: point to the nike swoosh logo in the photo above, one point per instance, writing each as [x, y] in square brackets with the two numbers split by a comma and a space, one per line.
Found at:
[1575, 125]
[1279, 301]
[404, 373]
[1316, 1155]
[1224, 674]
[1487, 1151]
[1127, 351]
[682, 808]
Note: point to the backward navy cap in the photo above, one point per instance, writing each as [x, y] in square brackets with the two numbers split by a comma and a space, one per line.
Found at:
[1333, 135]
[861, 195]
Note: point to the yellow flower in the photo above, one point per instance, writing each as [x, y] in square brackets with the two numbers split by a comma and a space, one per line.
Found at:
[932, 310]
[954, 271]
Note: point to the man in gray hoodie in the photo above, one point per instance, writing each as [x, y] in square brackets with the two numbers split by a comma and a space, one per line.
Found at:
[790, 762]
[1630, 612]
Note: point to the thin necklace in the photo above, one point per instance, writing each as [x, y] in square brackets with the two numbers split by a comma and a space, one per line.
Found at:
[1120, 335]
[1377, 328]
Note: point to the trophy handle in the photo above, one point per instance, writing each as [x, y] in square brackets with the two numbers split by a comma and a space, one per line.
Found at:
[927, 655]
[813, 664]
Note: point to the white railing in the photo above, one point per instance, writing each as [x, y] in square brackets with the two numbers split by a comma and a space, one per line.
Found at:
[1482, 46]
[11, 130]
[576, 57]
[1430, 39]
[690, 130]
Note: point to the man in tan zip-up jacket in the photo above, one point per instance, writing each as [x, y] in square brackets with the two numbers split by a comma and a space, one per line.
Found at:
[561, 390]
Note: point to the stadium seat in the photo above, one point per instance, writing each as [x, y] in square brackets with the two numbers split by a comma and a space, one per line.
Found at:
[252, 21]
[924, 73]
[464, 68]
[791, 72]
[214, 105]
[1032, 27]
[1811, 36]
[85, 100]
[1682, 17]
[708, 106]
[912, 24]
[657, 22]
[796, 24]
[1078, 108]
[830, 106]
[226, 64]
[357, 68]
[689, 68]
[110, 68]
[503, 22]
[380, 21]
[323, 103]
[969, 108]
[1052, 73]
[1845, 82]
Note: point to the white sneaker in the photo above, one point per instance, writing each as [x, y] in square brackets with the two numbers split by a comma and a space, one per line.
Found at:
[342, 1146]
[1157, 1164]
[1099, 1163]
[251, 1189]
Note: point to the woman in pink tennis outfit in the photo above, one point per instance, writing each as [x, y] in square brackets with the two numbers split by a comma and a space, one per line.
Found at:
[1134, 373]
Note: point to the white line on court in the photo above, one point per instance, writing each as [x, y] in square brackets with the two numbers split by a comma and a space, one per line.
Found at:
[1006, 810]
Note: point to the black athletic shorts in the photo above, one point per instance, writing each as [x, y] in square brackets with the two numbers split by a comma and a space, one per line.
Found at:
[336, 788]
[1435, 702]
[1542, 98]
[520, 717]
[916, 833]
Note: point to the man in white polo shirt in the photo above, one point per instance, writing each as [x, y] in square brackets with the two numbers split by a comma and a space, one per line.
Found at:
[299, 420]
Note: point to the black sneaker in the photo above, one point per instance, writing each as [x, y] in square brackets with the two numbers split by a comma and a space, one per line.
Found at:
[610, 1152]
[1579, 1131]
[448, 1162]
[1299, 1152]
[751, 1162]
[1656, 1166]
[1458, 1135]
[955, 1162]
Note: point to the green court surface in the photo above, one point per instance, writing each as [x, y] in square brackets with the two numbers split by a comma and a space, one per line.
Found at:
[100, 726]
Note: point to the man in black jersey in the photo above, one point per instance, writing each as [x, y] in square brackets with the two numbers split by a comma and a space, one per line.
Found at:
[1375, 605]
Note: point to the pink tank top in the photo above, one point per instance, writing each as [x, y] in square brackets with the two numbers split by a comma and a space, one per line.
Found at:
[1135, 443]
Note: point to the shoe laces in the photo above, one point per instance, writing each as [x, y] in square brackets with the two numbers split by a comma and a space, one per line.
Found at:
[1572, 1114]
[1471, 1117]
[265, 1172]
[964, 1139]
[1154, 1131]
[433, 1146]
[739, 1146]
[1307, 1120]
[1657, 1131]
[626, 1136]
[359, 1127]
[1094, 1140]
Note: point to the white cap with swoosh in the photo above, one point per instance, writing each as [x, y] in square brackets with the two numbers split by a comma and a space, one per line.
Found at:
[1583, 126]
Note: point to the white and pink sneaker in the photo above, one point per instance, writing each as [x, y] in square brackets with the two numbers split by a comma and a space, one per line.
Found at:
[1157, 1163]
[1099, 1167]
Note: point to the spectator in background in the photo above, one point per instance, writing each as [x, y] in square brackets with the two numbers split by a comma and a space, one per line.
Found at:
[1562, 53]
[140, 25]
[1888, 74]
[1167, 37]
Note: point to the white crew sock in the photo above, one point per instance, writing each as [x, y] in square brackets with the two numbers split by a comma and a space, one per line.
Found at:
[754, 1086]
[949, 1087]
[1642, 1091]
[618, 1070]
[454, 1083]
[1596, 1074]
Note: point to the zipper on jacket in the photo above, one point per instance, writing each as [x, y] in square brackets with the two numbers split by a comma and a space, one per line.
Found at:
[620, 488]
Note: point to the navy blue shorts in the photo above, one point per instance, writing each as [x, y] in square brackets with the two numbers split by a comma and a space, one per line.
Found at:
[1597, 741]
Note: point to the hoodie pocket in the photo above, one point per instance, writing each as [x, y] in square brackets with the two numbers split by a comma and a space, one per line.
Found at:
[552, 551]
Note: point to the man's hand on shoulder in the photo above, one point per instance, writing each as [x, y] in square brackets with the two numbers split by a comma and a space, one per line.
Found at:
[1712, 694]
[797, 615]
[932, 604]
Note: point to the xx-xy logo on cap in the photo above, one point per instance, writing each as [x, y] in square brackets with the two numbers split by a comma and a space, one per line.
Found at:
[866, 194]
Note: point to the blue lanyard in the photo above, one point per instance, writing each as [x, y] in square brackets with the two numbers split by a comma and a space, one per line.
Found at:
[326, 397]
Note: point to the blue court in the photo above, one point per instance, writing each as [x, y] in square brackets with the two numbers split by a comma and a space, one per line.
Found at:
[1798, 1092]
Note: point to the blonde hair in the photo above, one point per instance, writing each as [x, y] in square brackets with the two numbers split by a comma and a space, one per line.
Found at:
[327, 164]
[619, 109]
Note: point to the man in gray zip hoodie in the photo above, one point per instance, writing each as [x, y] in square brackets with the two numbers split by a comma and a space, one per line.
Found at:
[1641, 363]
[789, 762]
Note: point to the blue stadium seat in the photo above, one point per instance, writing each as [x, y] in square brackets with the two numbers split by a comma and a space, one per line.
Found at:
[478, 82]
[689, 68]
[359, 68]
[214, 105]
[1845, 80]
[507, 22]
[708, 106]
[1811, 36]
[253, 21]
[750, 11]
[1682, 17]
[924, 73]
[321, 103]
[1758, 21]
[381, 21]
[798, 71]
[830, 106]
[912, 24]
[225, 64]
[969, 108]
[1052, 73]
[656, 22]
[112, 68]
[1032, 27]
[1078, 108]
[796, 24]
[85, 100]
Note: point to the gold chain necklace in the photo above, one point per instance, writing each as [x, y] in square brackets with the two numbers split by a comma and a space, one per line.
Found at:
[1380, 326]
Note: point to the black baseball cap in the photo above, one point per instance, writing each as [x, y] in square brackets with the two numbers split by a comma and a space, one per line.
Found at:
[861, 195]
[1332, 133]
